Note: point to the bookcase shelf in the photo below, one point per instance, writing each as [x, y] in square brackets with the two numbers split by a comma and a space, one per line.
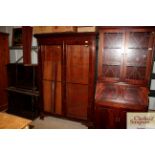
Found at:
[23, 91]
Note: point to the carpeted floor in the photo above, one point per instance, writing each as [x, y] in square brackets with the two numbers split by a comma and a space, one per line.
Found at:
[56, 123]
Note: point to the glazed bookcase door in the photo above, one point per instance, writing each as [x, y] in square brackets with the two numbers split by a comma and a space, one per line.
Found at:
[77, 80]
[111, 55]
[52, 81]
[138, 54]
[125, 56]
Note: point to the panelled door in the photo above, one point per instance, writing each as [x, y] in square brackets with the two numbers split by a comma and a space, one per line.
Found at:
[52, 81]
[77, 80]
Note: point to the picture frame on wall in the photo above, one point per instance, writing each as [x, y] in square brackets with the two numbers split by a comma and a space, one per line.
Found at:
[17, 37]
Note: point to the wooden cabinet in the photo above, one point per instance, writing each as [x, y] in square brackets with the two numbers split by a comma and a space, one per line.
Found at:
[110, 118]
[4, 59]
[124, 67]
[67, 73]
[22, 90]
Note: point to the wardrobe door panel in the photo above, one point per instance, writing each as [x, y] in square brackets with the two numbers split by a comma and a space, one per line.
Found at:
[58, 99]
[77, 64]
[77, 100]
[52, 62]
[52, 71]
[52, 97]
[47, 91]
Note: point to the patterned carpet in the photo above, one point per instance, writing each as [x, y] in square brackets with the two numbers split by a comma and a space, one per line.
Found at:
[56, 123]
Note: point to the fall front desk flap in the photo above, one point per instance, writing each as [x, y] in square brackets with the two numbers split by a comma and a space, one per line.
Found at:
[126, 96]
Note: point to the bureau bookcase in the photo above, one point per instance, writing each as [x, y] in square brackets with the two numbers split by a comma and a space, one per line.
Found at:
[124, 68]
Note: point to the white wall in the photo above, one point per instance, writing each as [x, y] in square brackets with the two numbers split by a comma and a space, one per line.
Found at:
[16, 55]
[8, 29]
[151, 103]
[153, 71]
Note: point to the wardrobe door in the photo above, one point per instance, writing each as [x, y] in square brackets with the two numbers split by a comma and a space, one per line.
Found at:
[138, 56]
[77, 80]
[52, 81]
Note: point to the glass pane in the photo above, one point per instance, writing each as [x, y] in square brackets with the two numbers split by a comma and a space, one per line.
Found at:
[136, 73]
[112, 56]
[136, 57]
[113, 40]
[111, 71]
[138, 39]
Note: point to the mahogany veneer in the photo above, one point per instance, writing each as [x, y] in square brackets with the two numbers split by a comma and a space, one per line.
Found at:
[124, 68]
[4, 59]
